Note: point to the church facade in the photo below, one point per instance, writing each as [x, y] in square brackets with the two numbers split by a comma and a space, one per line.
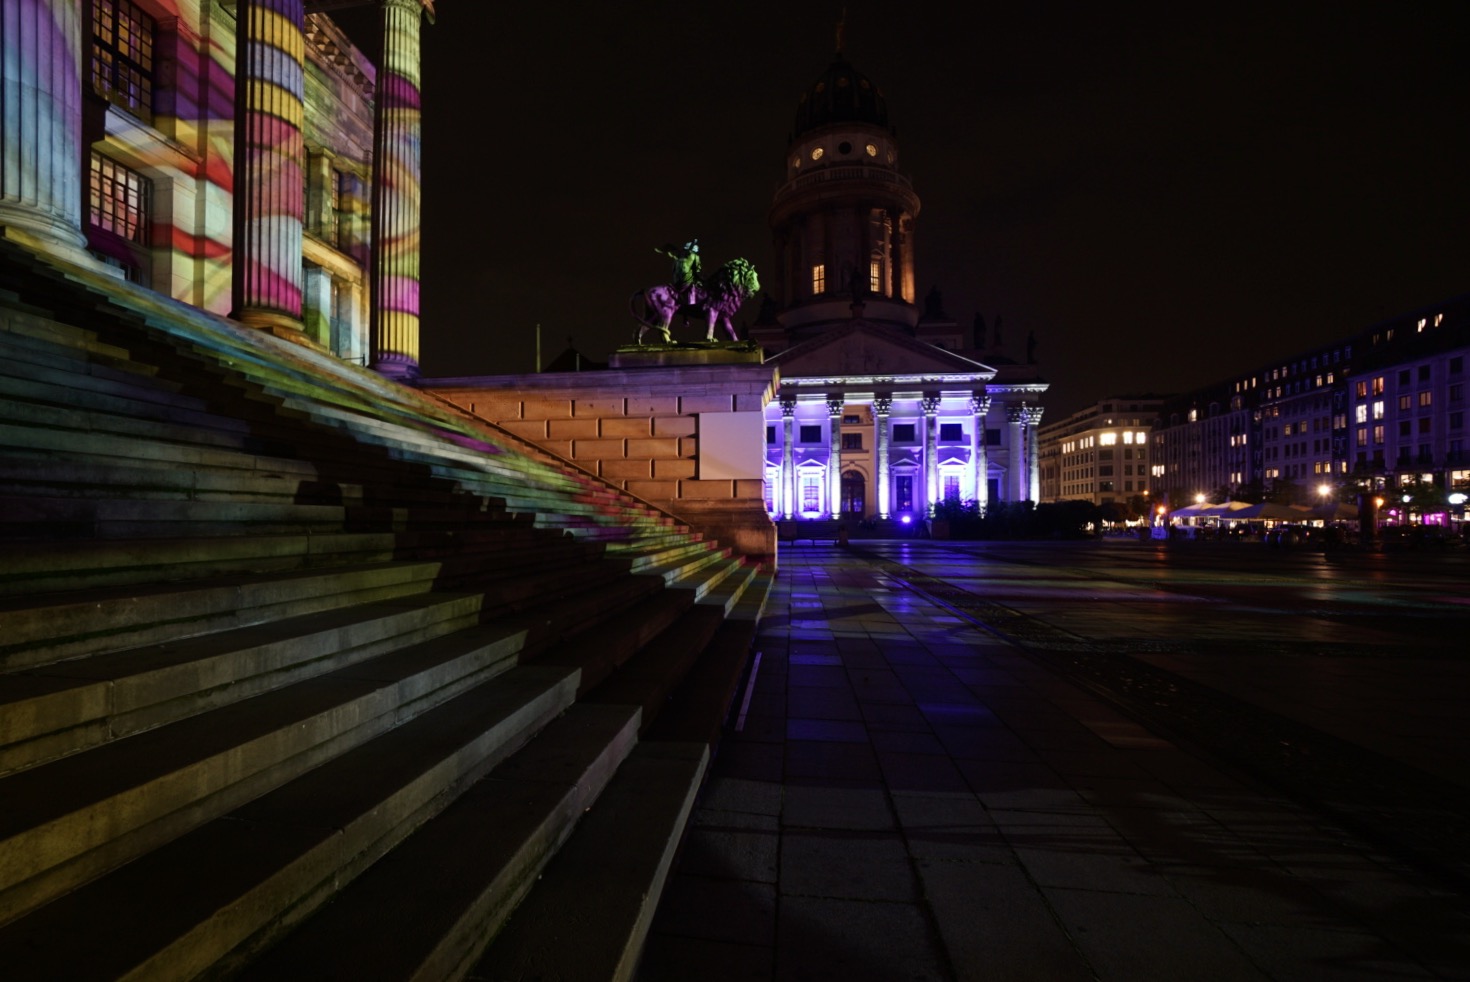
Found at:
[239, 156]
[882, 411]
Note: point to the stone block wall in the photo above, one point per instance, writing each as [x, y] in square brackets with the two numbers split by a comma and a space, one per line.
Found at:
[638, 428]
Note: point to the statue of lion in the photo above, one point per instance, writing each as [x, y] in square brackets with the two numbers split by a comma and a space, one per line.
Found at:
[715, 299]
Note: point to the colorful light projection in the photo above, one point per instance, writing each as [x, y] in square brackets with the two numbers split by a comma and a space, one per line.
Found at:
[395, 212]
[41, 92]
[270, 151]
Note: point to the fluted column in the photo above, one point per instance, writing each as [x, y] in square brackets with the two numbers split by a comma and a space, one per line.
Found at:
[930, 405]
[396, 176]
[788, 460]
[979, 465]
[882, 405]
[1033, 454]
[41, 109]
[1016, 478]
[834, 456]
[270, 155]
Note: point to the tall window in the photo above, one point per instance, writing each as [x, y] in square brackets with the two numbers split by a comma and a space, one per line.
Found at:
[118, 200]
[819, 278]
[122, 55]
[903, 493]
[811, 495]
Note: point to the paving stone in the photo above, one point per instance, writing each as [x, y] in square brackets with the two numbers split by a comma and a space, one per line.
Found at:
[994, 925]
[852, 865]
[856, 941]
[809, 807]
[735, 911]
[1149, 939]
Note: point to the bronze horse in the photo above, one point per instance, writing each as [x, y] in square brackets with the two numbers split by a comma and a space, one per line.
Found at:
[714, 300]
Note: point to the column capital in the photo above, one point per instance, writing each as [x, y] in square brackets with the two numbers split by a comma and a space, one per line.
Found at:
[979, 404]
[882, 405]
[1016, 414]
[930, 402]
[1032, 414]
[788, 406]
[835, 404]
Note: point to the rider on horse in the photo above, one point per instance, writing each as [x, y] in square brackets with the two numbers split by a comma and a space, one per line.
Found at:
[686, 269]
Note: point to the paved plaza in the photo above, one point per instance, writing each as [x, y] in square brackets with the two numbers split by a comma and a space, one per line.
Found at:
[1111, 760]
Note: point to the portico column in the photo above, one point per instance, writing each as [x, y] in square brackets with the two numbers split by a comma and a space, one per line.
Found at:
[41, 113]
[979, 466]
[394, 323]
[930, 404]
[269, 157]
[1033, 463]
[1016, 478]
[788, 462]
[881, 407]
[834, 456]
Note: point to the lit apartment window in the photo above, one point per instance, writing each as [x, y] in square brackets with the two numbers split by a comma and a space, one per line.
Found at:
[819, 278]
[122, 55]
[1378, 409]
[1426, 398]
[875, 276]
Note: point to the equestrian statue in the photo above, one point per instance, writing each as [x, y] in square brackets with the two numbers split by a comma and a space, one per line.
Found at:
[713, 299]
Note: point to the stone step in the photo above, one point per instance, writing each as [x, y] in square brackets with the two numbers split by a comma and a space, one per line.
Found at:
[597, 655]
[665, 551]
[700, 705]
[92, 564]
[700, 572]
[273, 857]
[729, 592]
[428, 909]
[74, 818]
[589, 914]
[649, 677]
[41, 630]
[75, 705]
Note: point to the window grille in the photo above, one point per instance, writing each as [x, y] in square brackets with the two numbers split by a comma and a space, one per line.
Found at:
[122, 55]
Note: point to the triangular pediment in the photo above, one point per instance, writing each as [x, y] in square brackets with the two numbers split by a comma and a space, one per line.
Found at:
[865, 349]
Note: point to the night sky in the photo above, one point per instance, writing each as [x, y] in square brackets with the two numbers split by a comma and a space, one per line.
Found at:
[1165, 196]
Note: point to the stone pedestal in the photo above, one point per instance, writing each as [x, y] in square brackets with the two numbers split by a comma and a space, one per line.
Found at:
[643, 429]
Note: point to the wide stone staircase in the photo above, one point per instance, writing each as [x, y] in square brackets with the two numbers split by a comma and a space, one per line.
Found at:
[304, 674]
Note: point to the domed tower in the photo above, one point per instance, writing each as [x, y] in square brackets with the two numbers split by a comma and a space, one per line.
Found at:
[843, 220]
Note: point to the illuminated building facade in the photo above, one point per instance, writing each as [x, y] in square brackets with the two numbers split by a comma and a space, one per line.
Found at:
[1100, 454]
[241, 156]
[1379, 408]
[881, 411]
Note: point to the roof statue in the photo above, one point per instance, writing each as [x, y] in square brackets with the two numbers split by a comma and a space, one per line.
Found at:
[714, 299]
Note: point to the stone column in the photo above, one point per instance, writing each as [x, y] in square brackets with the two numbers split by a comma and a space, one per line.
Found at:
[788, 460]
[882, 405]
[1033, 463]
[269, 158]
[1016, 478]
[979, 465]
[930, 404]
[41, 113]
[394, 323]
[834, 455]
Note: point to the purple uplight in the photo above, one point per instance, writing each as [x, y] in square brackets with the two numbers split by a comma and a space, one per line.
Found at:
[906, 519]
